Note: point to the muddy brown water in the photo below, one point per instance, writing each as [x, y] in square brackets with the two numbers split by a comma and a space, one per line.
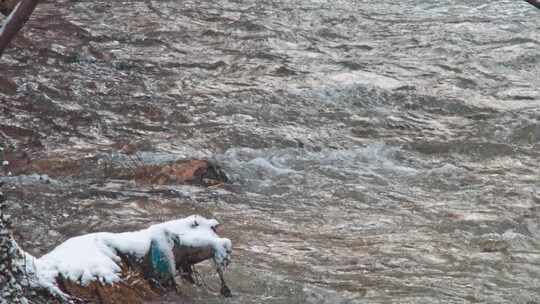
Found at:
[378, 151]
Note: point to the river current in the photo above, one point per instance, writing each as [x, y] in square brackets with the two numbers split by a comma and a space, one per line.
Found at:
[378, 151]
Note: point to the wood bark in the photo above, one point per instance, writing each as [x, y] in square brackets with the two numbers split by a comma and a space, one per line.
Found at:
[6, 6]
[15, 21]
[535, 3]
[138, 284]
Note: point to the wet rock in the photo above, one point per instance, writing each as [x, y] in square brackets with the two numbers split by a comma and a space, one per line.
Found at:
[492, 242]
[7, 86]
[199, 172]
[284, 71]
[186, 256]
[18, 133]
[493, 245]
[55, 167]
[12, 275]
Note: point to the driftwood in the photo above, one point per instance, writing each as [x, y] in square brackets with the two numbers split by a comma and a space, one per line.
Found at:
[141, 281]
[535, 3]
[133, 289]
[7, 6]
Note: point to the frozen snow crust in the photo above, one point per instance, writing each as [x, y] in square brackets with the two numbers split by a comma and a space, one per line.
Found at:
[96, 256]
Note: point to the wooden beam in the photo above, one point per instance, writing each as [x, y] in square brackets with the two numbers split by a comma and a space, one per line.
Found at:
[15, 21]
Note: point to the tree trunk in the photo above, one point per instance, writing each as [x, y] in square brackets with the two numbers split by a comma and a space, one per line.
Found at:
[15, 21]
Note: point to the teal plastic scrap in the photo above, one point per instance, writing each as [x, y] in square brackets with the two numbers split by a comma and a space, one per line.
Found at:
[161, 263]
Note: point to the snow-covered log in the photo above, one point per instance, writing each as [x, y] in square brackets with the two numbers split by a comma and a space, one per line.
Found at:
[131, 266]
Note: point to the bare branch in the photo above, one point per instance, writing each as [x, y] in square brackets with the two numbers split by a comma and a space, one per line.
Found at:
[15, 21]
[536, 3]
[6, 6]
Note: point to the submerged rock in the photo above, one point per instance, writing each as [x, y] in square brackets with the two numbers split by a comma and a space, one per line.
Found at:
[193, 171]
[492, 243]
[199, 172]
[7, 86]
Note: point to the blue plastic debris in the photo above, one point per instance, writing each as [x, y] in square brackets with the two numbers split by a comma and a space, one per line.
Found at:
[160, 263]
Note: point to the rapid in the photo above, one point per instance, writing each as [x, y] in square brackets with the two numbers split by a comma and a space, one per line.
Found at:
[377, 151]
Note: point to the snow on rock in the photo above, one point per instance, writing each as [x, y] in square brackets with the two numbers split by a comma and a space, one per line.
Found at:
[97, 256]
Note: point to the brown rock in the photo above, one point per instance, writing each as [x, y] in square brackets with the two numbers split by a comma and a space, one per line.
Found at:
[198, 172]
[186, 172]
[186, 256]
[55, 167]
[493, 245]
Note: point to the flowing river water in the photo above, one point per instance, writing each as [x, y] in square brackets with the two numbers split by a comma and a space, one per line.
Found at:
[378, 151]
